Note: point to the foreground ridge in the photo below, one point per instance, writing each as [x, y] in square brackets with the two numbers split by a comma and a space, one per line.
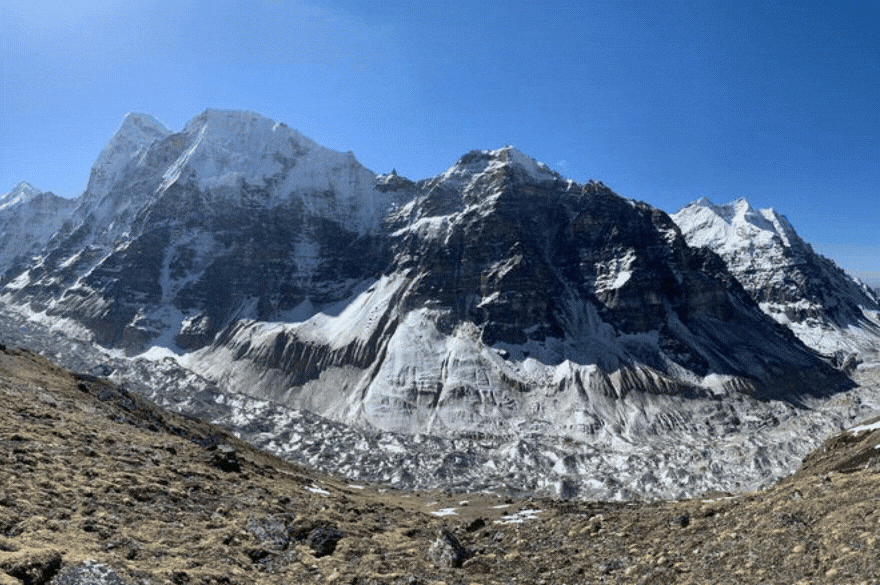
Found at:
[100, 483]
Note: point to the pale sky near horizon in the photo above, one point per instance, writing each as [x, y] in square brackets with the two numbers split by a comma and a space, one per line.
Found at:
[663, 101]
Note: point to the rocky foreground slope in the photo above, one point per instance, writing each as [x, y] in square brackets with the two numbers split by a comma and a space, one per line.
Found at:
[98, 485]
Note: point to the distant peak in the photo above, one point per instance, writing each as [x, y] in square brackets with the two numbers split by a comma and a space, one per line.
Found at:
[136, 133]
[741, 204]
[742, 208]
[739, 207]
[738, 214]
[144, 122]
[20, 193]
[216, 113]
[228, 126]
[24, 188]
[139, 130]
[227, 118]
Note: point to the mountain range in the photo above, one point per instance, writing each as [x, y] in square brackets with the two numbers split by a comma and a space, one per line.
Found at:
[497, 299]
[828, 310]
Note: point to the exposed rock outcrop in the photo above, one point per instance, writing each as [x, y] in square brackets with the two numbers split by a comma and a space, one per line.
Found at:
[179, 234]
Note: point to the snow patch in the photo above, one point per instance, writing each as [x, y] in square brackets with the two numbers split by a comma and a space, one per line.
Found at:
[875, 426]
[445, 512]
[519, 517]
[317, 490]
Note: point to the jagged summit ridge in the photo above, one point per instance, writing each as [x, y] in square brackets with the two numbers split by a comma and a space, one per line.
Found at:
[726, 227]
[236, 216]
[829, 310]
[136, 133]
[477, 165]
[22, 192]
[226, 153]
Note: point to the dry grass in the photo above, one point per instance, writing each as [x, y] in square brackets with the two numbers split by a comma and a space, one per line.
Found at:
[90, 472]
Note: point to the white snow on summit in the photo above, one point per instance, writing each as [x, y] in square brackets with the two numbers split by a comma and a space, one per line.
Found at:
[827, 309]
[136, 133]
[735, 227]
[230, 149]
[21, 193]
[479, 163]
[28, 219]
[22, 189]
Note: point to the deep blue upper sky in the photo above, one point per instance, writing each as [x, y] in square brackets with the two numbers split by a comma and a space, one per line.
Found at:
[664, 101]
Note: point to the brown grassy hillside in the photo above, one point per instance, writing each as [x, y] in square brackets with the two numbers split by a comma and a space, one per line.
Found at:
[100, 486]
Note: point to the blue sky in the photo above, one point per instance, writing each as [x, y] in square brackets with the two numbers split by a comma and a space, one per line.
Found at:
[663, 101]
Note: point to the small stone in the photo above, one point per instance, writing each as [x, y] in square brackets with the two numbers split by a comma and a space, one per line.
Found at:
[89, 573]
[323, 540]
[226, 459]
[682, 521]
[447, 551]
[475, 525]
[270, 532]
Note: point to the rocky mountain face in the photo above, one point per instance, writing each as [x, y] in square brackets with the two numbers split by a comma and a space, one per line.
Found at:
[519, 302]
[495, 298]
[495, 328]
[827, 309]
[28, 220]
[180, 234]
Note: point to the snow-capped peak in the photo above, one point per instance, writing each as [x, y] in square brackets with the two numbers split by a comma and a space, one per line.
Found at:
[226, 146]
[136, 133]
[135, 122]
[231, 122]
[826, 308]
[734, 225]
[225, 149]
[481, 162]
[21, 193]
[511, 156]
